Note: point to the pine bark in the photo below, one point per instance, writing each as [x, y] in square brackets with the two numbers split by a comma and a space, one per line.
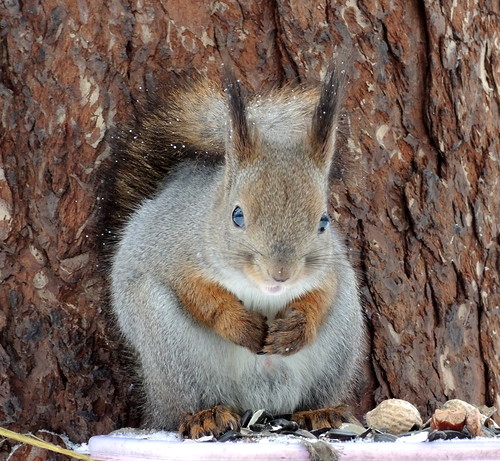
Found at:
[420, 208]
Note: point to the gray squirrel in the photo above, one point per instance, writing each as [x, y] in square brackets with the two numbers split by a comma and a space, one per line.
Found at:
[228, 278]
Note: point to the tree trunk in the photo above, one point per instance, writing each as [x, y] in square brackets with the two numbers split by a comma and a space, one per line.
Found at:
[420, 209]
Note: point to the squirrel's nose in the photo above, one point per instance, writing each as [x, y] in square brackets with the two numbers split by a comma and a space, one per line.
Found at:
[280, 275]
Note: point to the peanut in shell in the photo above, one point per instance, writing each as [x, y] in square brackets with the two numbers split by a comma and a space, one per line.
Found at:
[396, 416]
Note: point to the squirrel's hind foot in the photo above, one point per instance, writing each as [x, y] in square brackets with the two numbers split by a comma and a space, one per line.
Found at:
[324, 417]
[214, 421]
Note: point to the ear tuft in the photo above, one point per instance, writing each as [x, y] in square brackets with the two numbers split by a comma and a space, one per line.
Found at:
[240, 141]
[326, 116]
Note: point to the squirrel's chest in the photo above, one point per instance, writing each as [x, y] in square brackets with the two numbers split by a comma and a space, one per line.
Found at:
[256, 300]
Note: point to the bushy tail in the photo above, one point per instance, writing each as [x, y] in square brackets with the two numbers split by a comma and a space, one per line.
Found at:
[183, 122]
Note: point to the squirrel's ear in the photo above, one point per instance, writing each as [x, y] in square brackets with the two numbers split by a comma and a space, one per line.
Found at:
[324, 125]
[240, 138]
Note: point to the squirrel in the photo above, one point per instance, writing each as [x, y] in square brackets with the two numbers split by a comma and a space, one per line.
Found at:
[227, 275]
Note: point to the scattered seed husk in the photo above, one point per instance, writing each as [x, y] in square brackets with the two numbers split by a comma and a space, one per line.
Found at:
[356, 428]
[339, 434]
[229, 436]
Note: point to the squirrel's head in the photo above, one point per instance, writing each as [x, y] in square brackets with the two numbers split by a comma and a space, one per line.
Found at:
[277, 227]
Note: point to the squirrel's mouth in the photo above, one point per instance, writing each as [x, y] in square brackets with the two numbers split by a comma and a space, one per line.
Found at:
[274, 289]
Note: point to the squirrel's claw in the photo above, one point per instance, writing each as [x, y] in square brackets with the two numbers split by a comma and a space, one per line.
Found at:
[214, 421]
[324, 417]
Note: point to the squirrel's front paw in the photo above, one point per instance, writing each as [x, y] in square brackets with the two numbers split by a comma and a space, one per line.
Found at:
[252, 331]
[214, 421]
[289, 333]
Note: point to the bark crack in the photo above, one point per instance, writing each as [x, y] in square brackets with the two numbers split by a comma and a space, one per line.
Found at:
[426, 21]
[282, 49]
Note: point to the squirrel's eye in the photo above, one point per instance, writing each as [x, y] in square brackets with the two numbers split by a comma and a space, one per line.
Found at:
[324, 222]
[238, 217]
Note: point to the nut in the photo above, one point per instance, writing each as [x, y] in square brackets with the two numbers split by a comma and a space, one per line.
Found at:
[448, 418]
[473, 418]
[394, 415]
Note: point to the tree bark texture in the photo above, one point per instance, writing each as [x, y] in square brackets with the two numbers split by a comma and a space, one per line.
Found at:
[420, 209]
